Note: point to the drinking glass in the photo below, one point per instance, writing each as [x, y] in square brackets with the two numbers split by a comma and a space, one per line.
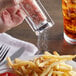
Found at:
[69, 17]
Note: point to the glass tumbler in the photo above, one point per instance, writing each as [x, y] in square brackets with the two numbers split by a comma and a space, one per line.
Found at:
[69, 17]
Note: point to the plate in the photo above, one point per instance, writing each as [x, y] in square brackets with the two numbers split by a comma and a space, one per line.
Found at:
[5, 68]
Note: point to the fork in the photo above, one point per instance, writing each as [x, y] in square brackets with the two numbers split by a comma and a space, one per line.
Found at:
[4, 49]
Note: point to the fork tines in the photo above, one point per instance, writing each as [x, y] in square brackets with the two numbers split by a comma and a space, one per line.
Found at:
[3, 51]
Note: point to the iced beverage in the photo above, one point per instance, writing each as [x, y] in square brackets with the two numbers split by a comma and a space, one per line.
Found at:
[69, 16]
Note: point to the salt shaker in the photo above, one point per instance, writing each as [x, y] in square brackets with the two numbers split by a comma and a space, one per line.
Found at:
[37, 16]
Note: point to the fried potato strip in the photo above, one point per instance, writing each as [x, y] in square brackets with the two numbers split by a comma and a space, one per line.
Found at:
[45, 65]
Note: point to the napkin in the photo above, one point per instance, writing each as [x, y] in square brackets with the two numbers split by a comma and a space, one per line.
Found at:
[30, 48]
[18, 48]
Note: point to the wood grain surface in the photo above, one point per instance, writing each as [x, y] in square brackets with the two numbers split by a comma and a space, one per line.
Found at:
[55, 40]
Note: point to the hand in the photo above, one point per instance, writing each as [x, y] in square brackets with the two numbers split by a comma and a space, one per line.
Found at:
[11, 17]
[8, 3]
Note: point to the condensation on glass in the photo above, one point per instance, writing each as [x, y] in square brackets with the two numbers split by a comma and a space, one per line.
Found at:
[69, 16]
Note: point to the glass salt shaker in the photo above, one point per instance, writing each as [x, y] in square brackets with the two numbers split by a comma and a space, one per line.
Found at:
[37, 16]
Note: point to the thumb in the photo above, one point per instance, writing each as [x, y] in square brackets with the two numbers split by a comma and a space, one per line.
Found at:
[8, 3]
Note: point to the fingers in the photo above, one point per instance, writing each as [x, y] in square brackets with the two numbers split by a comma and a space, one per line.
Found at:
[5, 21]
[8, 3]
[13, 9]
[17, 1]
[6, 17]
[10, 19]
[18, 17]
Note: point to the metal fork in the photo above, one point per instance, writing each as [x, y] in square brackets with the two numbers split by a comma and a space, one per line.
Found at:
[4, 49]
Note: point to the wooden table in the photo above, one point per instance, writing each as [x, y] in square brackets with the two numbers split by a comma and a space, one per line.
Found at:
[55, 40]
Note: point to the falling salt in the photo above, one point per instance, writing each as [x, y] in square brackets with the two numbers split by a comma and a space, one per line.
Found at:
[42, 42]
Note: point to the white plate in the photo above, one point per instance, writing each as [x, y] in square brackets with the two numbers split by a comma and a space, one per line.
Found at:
[72, 63]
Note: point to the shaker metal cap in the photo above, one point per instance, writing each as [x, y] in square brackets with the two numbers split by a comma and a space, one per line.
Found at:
[44, 27]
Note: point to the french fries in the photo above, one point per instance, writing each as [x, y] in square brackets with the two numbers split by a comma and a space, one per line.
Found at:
[45, 65]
